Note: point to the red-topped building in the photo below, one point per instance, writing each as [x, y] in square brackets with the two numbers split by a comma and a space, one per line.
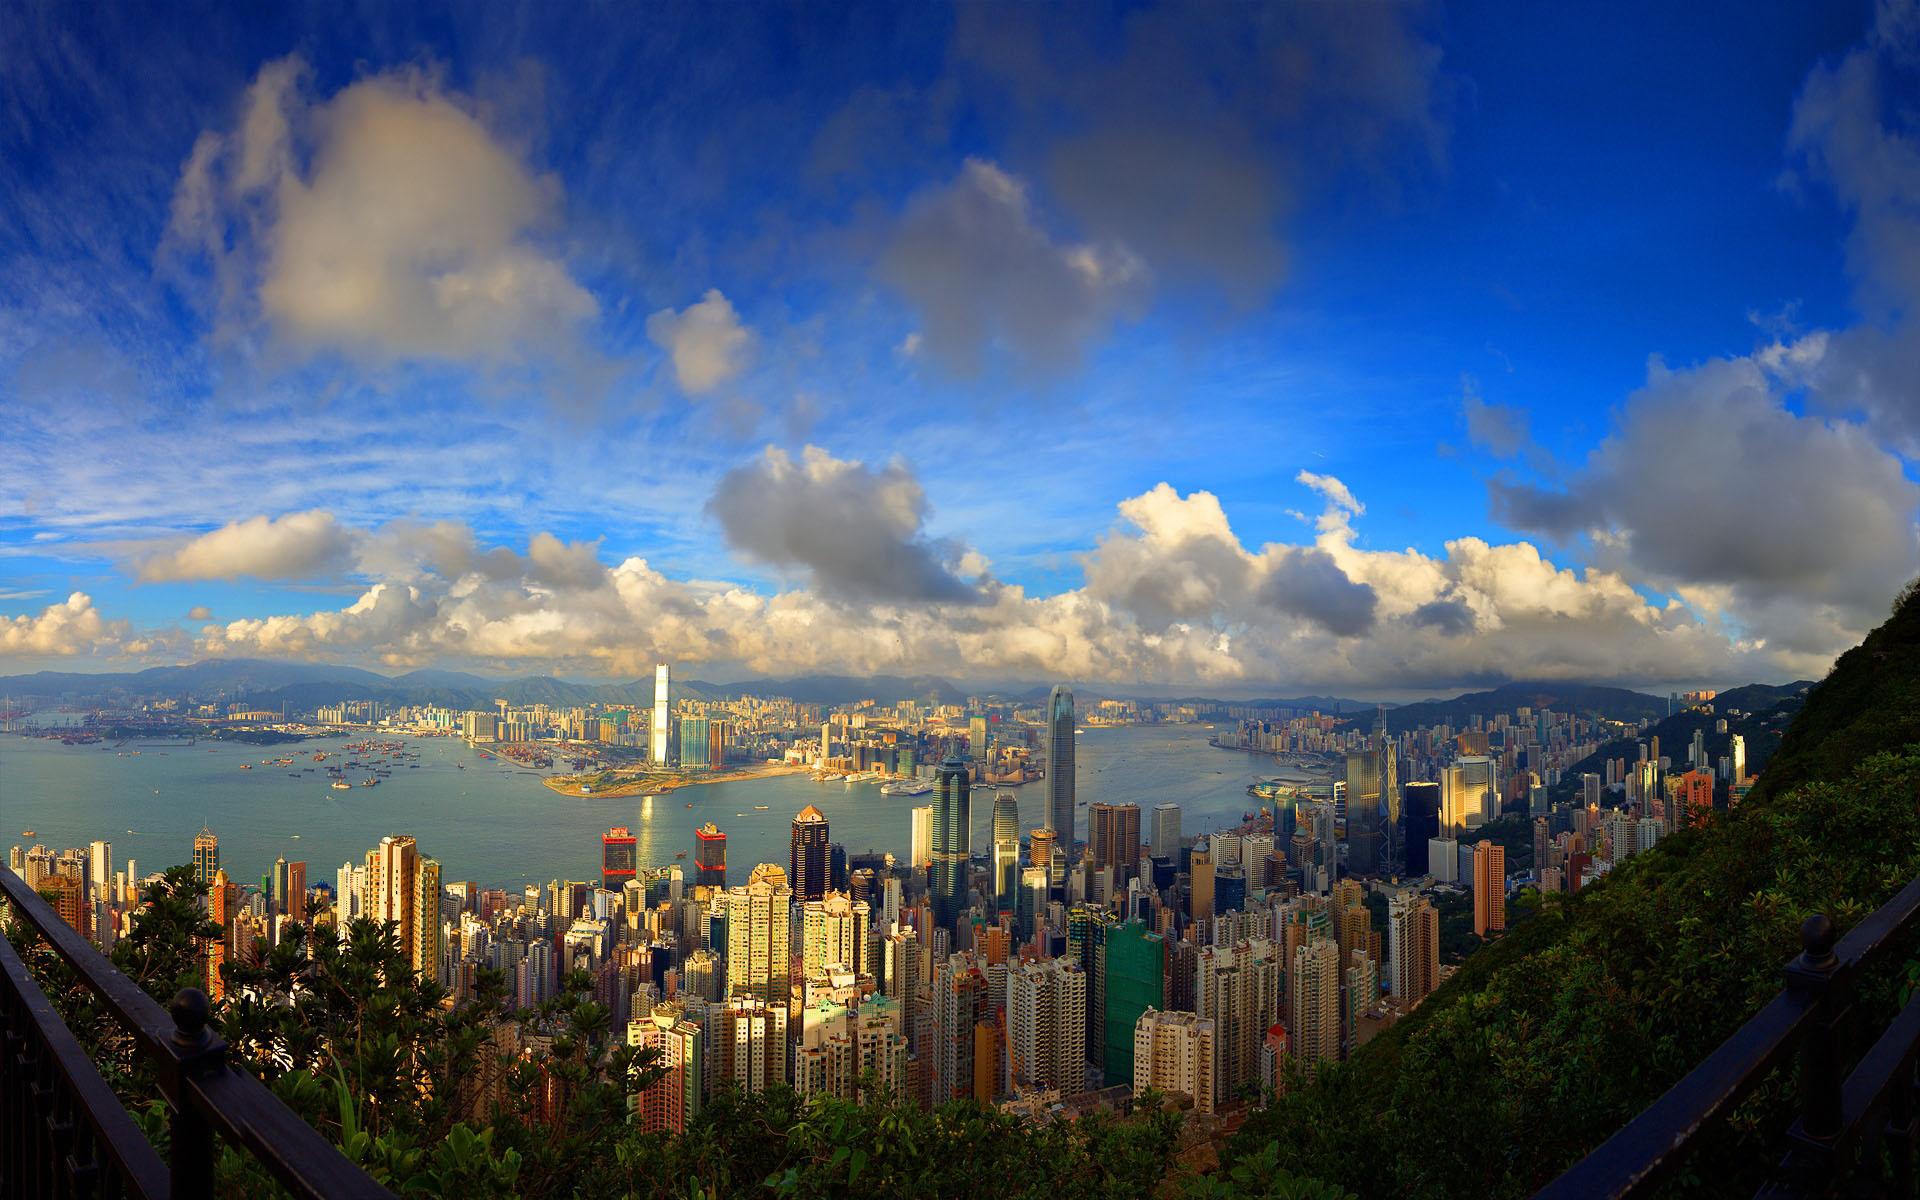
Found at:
[709, 856]
[619, 858]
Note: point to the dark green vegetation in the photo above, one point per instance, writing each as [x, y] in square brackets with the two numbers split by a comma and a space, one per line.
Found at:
[1556, 1035]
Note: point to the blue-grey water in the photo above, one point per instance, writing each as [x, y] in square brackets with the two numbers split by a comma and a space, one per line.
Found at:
[498, 825]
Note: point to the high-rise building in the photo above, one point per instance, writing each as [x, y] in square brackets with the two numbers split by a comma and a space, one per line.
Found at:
[1166, 831]
[920, 846]
[1006, 852]
[403, 887]
[1413, 947]
[809, 855]
[1420, 806]
[1489, 887]
[695, 743]
[958, 999]
[1237, 987]
[673, 1098]
[1060, 765]
[760, 937]
[709, 856]
[619, 858]
[206, 855]
[297, 891]
[834, 934]
[1737, 755]
[1694, 801]
[100, 869]
[657, 741]
[753, 1046]
[977, 738]
[1313, 988]
[952, 835]
[1113, 837]
[1135, 978]
[1200, 875]
[1047, 1025]
[1174, 1052]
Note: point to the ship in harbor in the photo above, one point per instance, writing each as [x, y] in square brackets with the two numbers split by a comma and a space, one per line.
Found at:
[906, 787]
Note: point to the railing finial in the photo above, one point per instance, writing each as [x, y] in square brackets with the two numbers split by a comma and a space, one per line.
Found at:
[191, 1011]
[1817, 938]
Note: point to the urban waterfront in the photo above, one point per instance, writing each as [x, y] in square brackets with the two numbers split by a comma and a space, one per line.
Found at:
[495, 824]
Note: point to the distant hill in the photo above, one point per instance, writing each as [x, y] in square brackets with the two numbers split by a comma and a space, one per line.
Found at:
[1617, 704]
[1765, 712]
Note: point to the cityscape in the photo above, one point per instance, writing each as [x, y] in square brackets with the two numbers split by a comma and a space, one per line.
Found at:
[1183, 599]
[1015, 943]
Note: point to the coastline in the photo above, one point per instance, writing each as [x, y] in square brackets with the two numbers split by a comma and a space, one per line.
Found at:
[661, 785]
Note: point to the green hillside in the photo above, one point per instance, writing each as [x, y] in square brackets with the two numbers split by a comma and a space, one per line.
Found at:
[1549, 1040]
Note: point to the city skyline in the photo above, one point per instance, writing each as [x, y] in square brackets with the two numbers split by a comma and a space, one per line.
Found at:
[1423, 392]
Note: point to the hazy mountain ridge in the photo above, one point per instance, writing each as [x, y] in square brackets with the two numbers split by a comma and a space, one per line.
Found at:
[304, 686]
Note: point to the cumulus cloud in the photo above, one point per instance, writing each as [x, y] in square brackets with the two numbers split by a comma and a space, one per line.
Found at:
[1709, 481]
[983, 274]
[301, 545]
[706, 342]
[72, 627]
[858, 532]
[386, 222]
[1324, 614]
[200, 612]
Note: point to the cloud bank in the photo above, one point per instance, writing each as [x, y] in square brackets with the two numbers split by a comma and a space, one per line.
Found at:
[1171, 595]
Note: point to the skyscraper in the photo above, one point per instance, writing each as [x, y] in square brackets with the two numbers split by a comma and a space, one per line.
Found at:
[709, 856]
[1060, 765]
[809, 855]
[1135, 967]
[1113, 836]
[657, 744]
[403, 887]
[1174, 1052]
[1413, 947]
[1166, 831]
[1313, 1026]
[297, 891]
[920, 843]
[1006, 851]
[1047, 1024]
[1237, 987]
[206, 855]
[619, 857]
[952, 834]
[760, 937]
[1489, 887]
[1421, 809]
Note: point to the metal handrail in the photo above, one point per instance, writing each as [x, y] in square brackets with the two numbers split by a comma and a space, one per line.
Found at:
[1807, 1016]
[206, 1096]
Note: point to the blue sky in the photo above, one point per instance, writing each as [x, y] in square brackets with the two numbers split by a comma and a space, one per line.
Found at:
[1357, 283]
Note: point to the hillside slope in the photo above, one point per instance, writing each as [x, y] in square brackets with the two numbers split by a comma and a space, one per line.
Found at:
[1548, 1041]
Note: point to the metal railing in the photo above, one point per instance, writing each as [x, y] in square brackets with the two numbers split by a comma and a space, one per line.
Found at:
[1859, 1124]
[63, 1132]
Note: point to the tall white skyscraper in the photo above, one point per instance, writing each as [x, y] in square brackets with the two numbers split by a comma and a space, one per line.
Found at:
[1047, 1024]
[1166, 830]
[657, 744]
[921, 844]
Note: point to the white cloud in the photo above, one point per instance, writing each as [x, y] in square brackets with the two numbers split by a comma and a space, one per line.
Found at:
[387, 222]
[301, 545]
[1172, 596]
[1709, 481]
[706, 341]
[72, 627]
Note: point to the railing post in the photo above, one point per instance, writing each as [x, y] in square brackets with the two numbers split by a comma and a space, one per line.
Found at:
[196, 1051]
[1810, 1168]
